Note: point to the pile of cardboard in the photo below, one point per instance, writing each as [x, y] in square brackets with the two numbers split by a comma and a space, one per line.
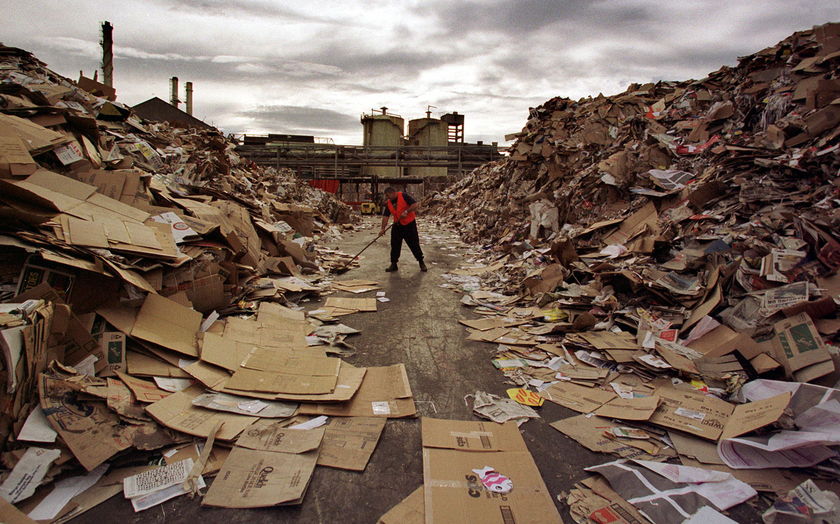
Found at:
[664, 262]
[149, 281]
[742, 140]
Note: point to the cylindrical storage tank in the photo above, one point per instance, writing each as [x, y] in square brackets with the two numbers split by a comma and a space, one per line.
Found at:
[428, 133]
[383, 130]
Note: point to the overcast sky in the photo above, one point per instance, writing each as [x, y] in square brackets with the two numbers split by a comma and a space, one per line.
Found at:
[312, 67]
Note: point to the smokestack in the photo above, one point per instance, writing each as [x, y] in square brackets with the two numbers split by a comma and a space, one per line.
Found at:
[108, 54]
[173, 92]
[189, 98]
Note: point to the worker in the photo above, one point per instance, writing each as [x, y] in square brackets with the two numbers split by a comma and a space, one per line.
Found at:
[401, 206]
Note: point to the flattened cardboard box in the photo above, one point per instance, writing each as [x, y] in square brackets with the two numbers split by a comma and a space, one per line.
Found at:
[589, 430]
[256, 479]
[272, 436]
[273, 382]
[177, 412]
[359, 304]
[91, 430]
[579, 398]
[711, 418]
[385, 392]
[454, 493]
[278, 471]
[799, 348]
[349, 442]
[348, 383]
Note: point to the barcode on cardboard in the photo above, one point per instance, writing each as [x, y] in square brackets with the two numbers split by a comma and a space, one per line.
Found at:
[690, 413]
[507, 515]
[485, 442]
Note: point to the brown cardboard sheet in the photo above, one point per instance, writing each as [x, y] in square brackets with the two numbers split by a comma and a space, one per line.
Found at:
[274, 382]
[144, 365]
[411, 510]
[385, 392]
[143, 390]
[219, 351]
[349, 381]
[266, 435]
[89, 428]
[453, 492]
[349, 442]
[578, 398]
[358, 304]
[589, 432]
[610, 340]
[640, 408]
[711, 418]
[15, 159]
[177, 412]
[291, 362]
[168, 324]
[253, 479]
[800, 349]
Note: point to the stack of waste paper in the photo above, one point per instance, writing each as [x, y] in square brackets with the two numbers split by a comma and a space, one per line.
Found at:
[664, 263]
[149, 317]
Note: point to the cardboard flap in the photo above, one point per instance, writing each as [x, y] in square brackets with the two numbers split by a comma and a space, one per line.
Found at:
[177, 412]
[272, 436]
[168, 324]
[692, 412]
[471, 435]
[640, 408]
[753, 415]
[270, 359]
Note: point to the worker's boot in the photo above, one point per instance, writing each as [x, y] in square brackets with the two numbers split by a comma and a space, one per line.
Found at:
[392, 267]
[423, 266]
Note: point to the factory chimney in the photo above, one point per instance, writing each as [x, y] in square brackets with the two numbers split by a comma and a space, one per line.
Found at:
[189, 98]
[173, 92]
[108, 54]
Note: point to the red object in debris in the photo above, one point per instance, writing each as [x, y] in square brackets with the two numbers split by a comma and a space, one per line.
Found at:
[330, 186]
[697, 149]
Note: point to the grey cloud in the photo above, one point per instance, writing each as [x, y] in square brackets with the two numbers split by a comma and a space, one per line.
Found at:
[525, 16]
[296, 119]
[400, 62]
[243, 7]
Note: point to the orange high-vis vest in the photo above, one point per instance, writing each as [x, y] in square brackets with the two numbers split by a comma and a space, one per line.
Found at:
[402, 205]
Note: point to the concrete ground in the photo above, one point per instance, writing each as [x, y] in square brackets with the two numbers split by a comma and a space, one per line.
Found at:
[419, 328]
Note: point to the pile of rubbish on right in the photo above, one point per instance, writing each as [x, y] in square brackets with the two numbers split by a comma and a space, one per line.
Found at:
[663, 262]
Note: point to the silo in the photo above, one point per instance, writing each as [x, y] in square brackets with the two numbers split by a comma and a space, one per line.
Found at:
[428, 133]
[383, 130]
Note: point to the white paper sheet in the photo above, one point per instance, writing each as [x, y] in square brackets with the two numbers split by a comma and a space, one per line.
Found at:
[37, 428]
[64, 491]
[159, 497]
[28, 473]
[316, 422]
[156, 479]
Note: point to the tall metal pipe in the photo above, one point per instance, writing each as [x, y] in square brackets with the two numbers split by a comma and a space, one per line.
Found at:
[173, 92]
[189, 98]
[108, 54]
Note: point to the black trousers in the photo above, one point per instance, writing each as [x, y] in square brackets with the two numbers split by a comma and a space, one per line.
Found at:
[408, 233]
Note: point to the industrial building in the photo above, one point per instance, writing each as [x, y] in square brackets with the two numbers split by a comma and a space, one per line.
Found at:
[429, 155]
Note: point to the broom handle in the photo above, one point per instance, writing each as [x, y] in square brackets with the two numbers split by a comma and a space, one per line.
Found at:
[364, 248]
